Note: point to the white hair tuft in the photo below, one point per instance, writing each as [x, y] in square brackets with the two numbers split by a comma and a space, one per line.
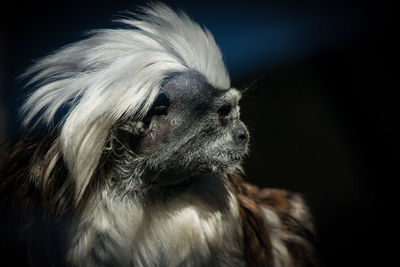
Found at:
[114, 74]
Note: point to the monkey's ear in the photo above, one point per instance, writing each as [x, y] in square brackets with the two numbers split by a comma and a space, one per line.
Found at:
[136, 128]
[129, 131]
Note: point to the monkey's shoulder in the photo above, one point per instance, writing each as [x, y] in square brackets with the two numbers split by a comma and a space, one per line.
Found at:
[277, 226]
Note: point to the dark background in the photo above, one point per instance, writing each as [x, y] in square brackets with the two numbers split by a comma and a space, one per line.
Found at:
[321, 107]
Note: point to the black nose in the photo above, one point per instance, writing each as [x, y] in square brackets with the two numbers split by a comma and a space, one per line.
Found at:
[240, 135]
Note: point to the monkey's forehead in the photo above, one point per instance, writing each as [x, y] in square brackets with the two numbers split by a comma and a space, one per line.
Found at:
[189, 85]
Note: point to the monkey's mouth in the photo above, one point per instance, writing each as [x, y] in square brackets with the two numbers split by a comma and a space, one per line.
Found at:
[230, 158]
[236, 159]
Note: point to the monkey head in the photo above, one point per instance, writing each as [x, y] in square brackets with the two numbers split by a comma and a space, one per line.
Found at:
[191, 129]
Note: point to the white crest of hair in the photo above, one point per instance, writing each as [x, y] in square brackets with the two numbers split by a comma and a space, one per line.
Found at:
[114, 74]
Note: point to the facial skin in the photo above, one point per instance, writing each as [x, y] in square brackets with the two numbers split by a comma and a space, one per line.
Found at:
[192, 129]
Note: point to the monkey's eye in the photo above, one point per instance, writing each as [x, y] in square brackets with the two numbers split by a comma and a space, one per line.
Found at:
[160, 105]
[224, 112]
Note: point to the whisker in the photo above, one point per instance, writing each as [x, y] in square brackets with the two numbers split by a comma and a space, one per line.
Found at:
[252, 84]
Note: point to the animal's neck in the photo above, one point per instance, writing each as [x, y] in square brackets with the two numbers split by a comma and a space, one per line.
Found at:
[196, 222]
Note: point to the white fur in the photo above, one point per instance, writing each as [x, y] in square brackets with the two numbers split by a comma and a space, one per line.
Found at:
[117, 74]
[184, 231]
[280, 253]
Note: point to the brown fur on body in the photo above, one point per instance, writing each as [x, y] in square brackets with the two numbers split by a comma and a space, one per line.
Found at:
[297, 229]
[32, 228]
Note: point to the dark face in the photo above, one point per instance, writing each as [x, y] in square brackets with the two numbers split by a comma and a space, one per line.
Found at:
[191, 129]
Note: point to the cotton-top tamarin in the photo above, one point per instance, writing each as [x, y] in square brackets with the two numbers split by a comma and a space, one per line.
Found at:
[145, 167]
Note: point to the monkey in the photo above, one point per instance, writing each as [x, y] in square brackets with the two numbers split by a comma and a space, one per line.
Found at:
[145, 168]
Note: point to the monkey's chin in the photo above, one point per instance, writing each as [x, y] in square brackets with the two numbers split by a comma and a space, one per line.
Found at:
[230, 167]
[215, 168]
